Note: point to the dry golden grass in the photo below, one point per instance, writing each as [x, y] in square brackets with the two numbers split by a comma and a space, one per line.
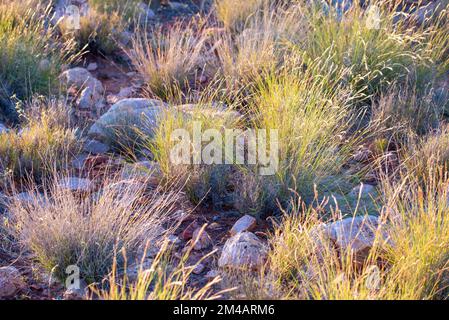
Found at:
[168, 60]
[92, 229]
[165, 279]
[47, 143]
[234, 14]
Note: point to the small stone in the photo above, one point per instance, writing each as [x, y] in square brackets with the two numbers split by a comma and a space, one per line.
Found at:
[75, 184]
[243, 251]
[187, 234]
[11, 282]
[95, 147]
[173, 240]
[363, 190]
[138, 113]
[79, 161]
[202, 239]
[92, 66]
[74, 293]
[245, 223]
[199, 268]
[212, 274]
[44, 65]
[89, 98]
[124, 93]
[357, 233]
[215, 226]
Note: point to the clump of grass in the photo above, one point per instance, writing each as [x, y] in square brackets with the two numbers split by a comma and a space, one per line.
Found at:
[312, 119]
[412, 264]
[30, 56]
[245, 58]
[261, 48]
[91, 230]
[168, 60]
[375, 55]
[99, 32]
[168, 147]
[409, 107]
[127, 9]
[235, 14]
[45, 144]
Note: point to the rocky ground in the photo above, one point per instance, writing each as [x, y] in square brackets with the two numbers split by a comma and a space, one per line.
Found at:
[102, 90]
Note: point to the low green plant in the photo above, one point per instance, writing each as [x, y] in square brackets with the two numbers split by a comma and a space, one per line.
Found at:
[312, 119]
[375, 51]
[30, 54]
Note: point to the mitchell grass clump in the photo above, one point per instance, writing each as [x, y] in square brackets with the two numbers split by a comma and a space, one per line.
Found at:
[92, 230]
[165, 146]
[261, 48]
